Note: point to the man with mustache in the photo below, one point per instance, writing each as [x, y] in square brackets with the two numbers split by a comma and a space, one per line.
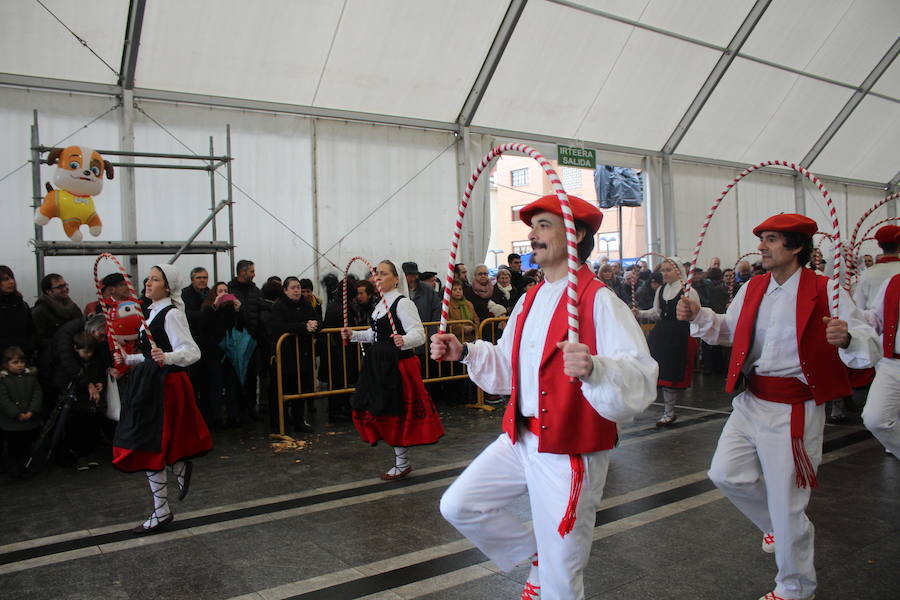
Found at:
[560, 423]
[793, 355]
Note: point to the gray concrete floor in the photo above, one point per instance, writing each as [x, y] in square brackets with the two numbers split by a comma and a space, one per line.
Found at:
[317, 523]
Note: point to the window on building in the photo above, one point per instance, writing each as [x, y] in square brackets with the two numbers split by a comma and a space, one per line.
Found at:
[515, 212]
[519, 177]
[571, 178]
[523, 247]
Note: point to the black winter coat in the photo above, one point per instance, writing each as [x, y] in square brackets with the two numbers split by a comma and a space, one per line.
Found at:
[49, 315]
[291, 316]
[250, 298]
[215, 323]
[478, 303]
[64, 361]
[193, 300]
[16, 324]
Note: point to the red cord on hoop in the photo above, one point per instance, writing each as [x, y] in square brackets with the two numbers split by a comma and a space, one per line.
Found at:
[865, 215]
[857, 247]
[734, 270]
[832, 212]
[377, 286]
[99, 285]
[568, 220]
[665, 259]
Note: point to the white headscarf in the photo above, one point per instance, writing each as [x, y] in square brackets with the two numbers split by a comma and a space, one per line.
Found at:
[671, 289]
[175, 281]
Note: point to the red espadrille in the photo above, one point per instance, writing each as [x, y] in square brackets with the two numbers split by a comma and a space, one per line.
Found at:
[774, 596]
[531, 592]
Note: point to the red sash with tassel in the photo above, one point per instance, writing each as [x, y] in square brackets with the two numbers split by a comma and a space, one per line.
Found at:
[789, 390]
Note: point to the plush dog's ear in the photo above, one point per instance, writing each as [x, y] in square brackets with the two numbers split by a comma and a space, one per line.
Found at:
[54, 155]
[107, 166]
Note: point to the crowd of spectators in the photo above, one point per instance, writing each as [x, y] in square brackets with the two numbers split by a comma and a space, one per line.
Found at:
[56, 350]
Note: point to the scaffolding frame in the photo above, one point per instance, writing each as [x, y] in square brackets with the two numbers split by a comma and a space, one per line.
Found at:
[209, 163]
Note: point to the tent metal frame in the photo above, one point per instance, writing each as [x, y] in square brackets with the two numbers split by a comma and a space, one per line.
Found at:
[211, 163]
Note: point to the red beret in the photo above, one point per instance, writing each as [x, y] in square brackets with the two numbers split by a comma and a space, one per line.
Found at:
[887, 234]
[583, 211]
[787, 222]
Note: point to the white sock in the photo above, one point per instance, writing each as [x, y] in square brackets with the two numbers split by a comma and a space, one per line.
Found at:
[178, 469]
[401, 460]
[160, 492]
[533, 575]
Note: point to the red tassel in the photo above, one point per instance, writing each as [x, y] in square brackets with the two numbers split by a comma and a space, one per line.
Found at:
[568, 520]
[805, 473]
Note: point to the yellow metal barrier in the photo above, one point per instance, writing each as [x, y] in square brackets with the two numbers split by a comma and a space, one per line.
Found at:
[454, 370]
[495, 325]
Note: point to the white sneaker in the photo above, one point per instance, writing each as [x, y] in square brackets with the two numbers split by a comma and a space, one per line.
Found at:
[768, 543]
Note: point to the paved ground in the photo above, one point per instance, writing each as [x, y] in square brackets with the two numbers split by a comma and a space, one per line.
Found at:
[315, 522]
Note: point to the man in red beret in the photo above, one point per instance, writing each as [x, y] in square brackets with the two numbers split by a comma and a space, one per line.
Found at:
[882, 412]
[793, 355]
[560, 423]
[887, 265]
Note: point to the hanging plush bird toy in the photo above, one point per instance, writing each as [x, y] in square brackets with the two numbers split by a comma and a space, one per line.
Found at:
[79, 177]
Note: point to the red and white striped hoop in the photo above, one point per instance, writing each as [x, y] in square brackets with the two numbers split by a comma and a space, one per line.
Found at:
[835, 226]
[568, 219]
[658, 255]
[99, 285]
[852, 241]
[857, 247]
[734, 270]
[377, 286]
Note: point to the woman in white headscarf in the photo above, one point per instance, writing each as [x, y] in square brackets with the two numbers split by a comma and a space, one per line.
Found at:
[670, 341]
[160, 425]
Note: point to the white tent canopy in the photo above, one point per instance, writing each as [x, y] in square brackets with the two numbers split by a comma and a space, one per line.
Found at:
[611, 72]
[689, 89]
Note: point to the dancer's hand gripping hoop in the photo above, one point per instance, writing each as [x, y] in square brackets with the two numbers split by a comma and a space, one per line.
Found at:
[568, 220]
[119, 353]
[835, 226]
[377, 287]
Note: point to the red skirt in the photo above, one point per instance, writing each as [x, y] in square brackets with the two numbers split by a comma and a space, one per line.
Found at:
[684, 382]
[418, 425]
[184, 432]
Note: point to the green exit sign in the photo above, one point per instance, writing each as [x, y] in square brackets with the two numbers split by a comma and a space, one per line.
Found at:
[570, 156]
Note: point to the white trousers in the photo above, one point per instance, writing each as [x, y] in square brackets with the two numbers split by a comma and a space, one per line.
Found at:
[478, 503]
[882, 412]
[754, 467]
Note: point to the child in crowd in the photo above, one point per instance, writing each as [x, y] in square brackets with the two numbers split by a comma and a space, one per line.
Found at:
[83, 431]
[20, 405]
[461, 309]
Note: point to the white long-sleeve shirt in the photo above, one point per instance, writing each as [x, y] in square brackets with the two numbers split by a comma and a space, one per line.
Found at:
[870, 282]
[185, 351]
[622, 383]
[409, 318]
[774, 352]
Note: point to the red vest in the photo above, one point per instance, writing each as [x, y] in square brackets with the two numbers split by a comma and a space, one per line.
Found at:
[825, 373]
[891, 314]
[568, 423]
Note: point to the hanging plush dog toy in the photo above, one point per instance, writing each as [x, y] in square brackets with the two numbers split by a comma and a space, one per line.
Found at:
[79, 177]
